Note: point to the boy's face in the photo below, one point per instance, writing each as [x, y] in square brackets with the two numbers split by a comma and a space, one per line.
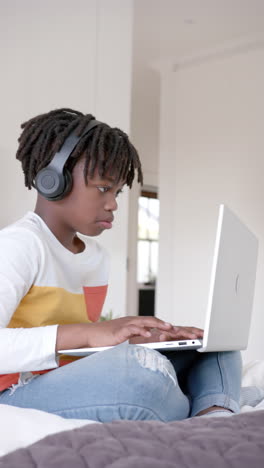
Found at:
[88, 209]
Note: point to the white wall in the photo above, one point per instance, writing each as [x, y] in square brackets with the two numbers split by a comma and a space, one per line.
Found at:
[65, 54]
[211, 151]
[145, 117]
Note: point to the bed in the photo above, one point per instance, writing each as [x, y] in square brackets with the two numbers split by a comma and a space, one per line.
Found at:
[31, 438]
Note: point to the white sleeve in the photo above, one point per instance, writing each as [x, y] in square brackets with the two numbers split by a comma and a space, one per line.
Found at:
[27, 349]
[21, 349]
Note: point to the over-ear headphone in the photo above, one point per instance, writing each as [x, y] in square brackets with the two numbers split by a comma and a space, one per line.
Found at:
[53, 182]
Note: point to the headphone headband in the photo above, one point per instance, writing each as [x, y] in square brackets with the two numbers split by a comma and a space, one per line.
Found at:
[53, 182]
[59, 159]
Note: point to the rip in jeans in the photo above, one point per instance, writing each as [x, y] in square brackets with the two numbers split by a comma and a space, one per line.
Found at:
[24, 379]
[153, 360]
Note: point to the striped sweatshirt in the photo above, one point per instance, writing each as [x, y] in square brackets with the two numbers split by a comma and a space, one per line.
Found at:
[43, 285]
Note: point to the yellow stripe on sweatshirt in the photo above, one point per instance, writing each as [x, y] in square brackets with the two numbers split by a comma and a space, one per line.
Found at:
[49, 306]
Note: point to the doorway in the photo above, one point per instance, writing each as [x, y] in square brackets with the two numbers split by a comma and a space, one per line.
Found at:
[147, 250]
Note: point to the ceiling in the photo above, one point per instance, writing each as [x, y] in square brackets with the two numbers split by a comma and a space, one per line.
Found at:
[177, 28]
[168, 33]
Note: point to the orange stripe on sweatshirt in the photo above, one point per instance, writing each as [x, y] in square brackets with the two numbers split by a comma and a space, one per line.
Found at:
[94, 299]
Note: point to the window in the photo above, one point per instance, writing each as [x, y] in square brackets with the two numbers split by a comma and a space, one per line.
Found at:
[148, 236]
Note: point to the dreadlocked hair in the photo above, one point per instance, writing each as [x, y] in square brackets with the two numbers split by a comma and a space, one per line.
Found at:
[105, 148]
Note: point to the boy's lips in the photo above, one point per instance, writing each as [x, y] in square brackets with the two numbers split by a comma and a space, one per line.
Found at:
[106, 223]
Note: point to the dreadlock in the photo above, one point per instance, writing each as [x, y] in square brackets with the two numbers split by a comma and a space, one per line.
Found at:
[106, 149]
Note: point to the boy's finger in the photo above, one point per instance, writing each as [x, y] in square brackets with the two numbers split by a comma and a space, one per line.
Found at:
[154, 322]
[133, 330]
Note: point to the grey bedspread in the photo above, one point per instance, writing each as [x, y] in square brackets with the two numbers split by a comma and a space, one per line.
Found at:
[235, 442]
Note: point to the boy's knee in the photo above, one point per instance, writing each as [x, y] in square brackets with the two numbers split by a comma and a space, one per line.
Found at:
[154, 361]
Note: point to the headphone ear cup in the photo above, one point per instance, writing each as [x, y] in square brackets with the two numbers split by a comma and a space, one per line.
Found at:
[53, 186]
[48, 183]
[67, 179]
[68, 183]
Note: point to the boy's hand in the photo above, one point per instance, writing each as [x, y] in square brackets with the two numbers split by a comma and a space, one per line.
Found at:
[113, 332]
[175, 333]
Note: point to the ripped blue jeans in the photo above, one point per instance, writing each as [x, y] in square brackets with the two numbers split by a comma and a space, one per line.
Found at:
[135, 383]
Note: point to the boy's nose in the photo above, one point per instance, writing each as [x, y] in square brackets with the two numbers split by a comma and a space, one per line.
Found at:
[111, 204]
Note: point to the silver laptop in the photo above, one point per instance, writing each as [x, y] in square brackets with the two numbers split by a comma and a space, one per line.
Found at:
[231, 292]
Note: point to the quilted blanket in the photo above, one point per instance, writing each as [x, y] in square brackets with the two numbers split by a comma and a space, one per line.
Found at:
[235, 442]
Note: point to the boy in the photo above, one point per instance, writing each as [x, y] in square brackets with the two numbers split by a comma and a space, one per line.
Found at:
[54, 283]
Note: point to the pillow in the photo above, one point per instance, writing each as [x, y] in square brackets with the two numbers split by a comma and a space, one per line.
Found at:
[24, 426]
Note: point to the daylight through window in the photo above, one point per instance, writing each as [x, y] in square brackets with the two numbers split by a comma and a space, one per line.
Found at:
[148, 236]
